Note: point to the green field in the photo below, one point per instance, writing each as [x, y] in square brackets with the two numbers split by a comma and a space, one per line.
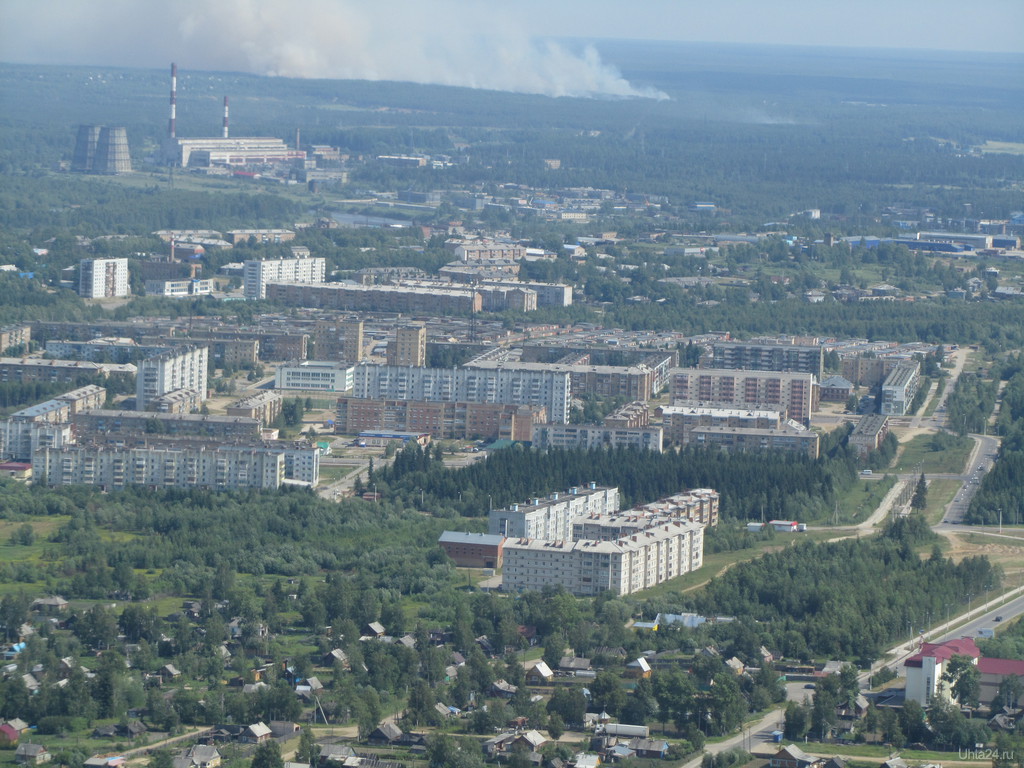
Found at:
[920, 454]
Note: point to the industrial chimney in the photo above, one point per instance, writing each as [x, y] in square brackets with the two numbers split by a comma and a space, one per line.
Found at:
[225, 117]
[174, 93]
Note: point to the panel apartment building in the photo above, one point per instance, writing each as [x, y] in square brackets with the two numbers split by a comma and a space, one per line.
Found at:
[178, 466]
[753, 356]
[180, 368]
[546, 388]
[103, 278]
[552, 518]
[588, 567]
[796, 393]
[377, 298]
[441, 420]
[257, 273]
[899, 388]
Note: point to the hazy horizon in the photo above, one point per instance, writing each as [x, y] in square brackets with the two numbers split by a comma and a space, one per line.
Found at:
[532, 47]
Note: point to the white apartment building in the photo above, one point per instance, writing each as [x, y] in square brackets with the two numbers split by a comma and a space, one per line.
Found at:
[194, 466]
[302, 269]
[103, 278]
[46, 424]
[548, 388]
[178, 368]
[899, 388]
[552, 518]
[315, 376]
[587, 568]
[596, 436]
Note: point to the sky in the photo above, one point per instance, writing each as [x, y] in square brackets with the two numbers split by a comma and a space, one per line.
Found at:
[510, 46]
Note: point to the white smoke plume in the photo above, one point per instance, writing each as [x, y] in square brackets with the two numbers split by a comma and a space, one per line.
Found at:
[471, 43]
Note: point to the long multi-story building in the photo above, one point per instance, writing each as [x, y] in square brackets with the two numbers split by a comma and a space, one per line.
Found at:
[46, 424]
[769, 357]
[552, 518]
[899, 388]
[257, 273]
[699, 505]
[131, 427]
[377, 298]
[166, 466]
[540, 387]
[103, 278]
[182, 367]
[596, 436]
[679, 421]
[796, 393]
[440, 419]
[24, 369]
[314, 376]
[635, 382]
[587, 568]
[789, 437]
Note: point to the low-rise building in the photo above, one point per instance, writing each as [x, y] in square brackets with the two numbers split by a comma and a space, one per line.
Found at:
[473, 550]
[869, 433]
[264, 406]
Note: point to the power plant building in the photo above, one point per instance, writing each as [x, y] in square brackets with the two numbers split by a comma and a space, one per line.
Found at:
[101, 149]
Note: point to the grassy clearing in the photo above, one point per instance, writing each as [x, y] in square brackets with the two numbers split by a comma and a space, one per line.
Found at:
[921, 452]
[1003, 147]
[881, 752]
[862, 498]
[940, 492]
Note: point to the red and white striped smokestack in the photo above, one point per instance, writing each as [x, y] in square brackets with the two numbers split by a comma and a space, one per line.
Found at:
[225, 117]
[174, 96]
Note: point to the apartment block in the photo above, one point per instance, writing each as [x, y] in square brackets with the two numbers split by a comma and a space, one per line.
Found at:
[257, 273]
[735, 355]
[796, 393]
[314, 376]
[635, 382]
[552, 518]
[24, 369]
[182, 367]
[869, 433]
[440, 419]
[377, 298]
[264, 406]
[200, 466]
[789, 437]
[590, 436]
[409, 346]
[588, 568]
[899, 388]
[699, 505]
[679, 421]
[46, 424]
[103, 278]
[15, 336]
[132, 427]
[538, 387]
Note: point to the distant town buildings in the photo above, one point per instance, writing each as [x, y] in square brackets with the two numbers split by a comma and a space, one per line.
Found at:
[768, 357]
[314, 376]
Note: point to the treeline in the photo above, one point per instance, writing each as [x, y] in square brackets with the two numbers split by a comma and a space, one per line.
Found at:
[798, 600]
[999, 495]
[751, 484]
[140, 542]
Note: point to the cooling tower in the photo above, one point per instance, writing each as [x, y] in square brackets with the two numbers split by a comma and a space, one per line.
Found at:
[85, 148]
[112, 151]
